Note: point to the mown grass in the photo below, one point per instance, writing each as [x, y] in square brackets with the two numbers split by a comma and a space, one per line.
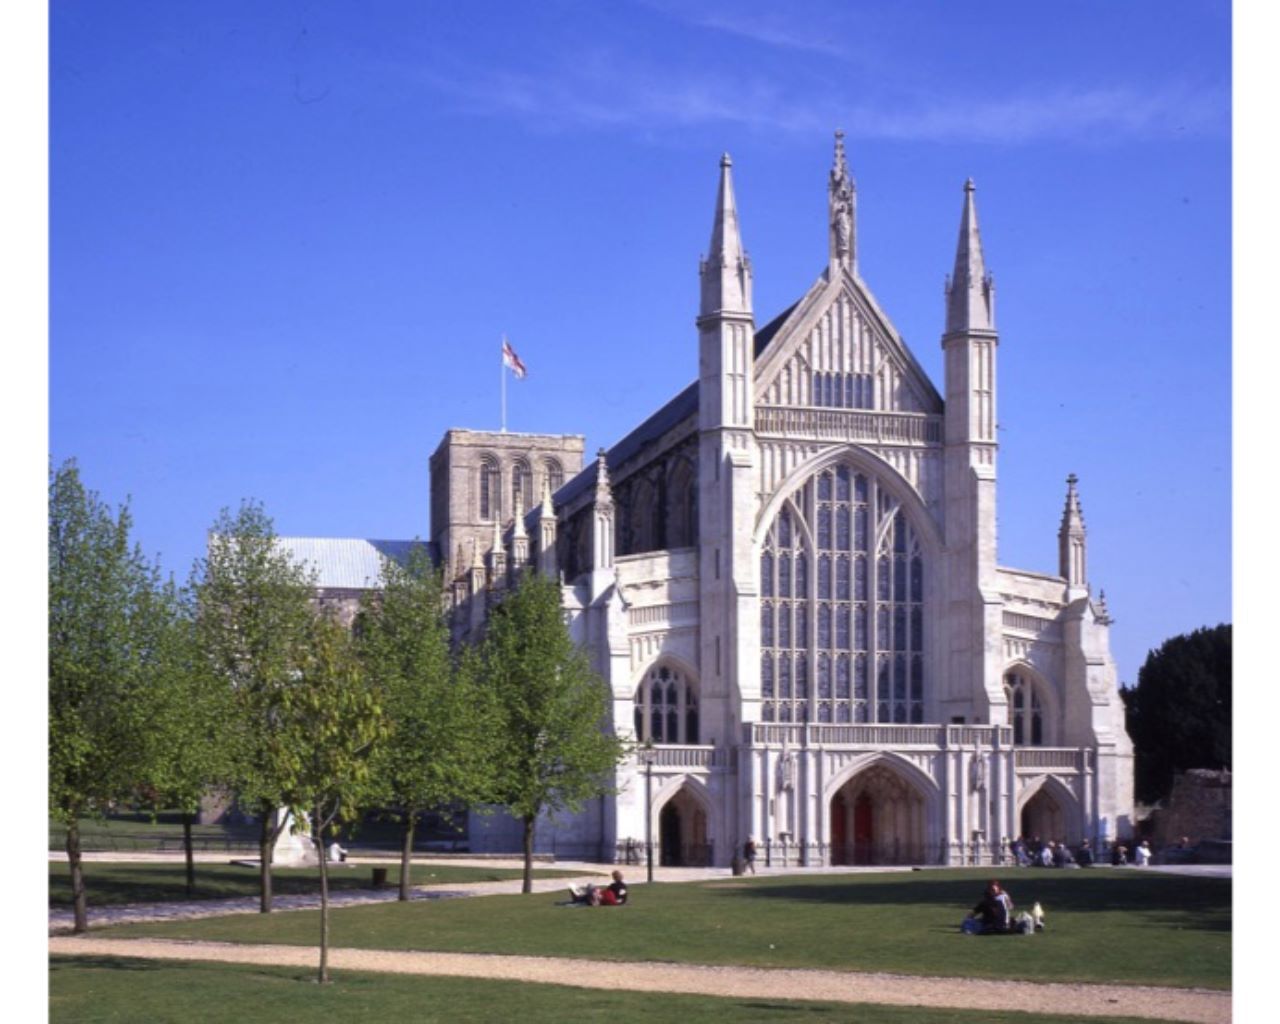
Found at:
[1105, 925]
[111, 884]
[109, 990]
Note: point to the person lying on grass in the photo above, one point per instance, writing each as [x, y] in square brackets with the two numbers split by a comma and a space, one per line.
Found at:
[613, 895]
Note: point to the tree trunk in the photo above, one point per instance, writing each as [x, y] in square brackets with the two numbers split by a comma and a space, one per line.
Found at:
[187, 821]
[266, 840]
[78, 900]
[318, 838]
[529, 819]
[406, 854]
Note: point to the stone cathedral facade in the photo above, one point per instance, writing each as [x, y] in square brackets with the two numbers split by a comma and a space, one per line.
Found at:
[788, 578]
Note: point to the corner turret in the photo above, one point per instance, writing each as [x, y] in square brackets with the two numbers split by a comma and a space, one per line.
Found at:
[1071, 544]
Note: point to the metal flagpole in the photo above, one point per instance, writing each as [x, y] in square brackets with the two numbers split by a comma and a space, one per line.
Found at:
[502, 368]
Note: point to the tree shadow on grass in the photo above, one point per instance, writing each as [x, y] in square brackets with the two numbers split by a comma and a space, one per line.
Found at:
[1188, 901]
[107, 963]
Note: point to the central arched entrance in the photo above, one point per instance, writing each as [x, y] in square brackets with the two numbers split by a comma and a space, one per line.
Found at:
[1047, 815]
[682, 832]
[878, 817]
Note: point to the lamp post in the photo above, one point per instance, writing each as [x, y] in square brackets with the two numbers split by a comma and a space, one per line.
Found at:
[647, 754]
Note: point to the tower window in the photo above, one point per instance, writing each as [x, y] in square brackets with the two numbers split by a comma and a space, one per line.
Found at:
[490, 489]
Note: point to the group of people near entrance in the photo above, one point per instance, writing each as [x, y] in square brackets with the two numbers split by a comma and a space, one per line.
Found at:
[1037, 854]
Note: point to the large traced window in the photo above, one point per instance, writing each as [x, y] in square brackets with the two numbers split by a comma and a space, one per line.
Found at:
[1026, 710]
[842, 606]
[666, 707]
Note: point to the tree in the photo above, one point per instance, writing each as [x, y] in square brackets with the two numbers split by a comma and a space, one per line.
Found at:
[254, 618]
[552, 749]
[337, 719]
[107, 619]
[1179, 714]
[435, 753]
[190, 725]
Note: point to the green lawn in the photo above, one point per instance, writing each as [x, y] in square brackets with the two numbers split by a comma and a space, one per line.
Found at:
[109, 990]
[110, 883]
[1103, 926]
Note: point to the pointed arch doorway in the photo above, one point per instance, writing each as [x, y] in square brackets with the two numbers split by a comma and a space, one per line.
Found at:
[877, 817]
[683, 840]
[1043, 817]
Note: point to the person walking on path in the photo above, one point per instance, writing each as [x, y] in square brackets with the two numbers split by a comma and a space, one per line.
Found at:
[749, 854]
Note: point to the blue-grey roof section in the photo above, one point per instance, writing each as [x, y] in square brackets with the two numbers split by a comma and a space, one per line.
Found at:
[346, 563]
[670, 415]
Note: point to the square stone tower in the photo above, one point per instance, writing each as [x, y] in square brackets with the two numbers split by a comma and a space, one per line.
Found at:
[480, 477]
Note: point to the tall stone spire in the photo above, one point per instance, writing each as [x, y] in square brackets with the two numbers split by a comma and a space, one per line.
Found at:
[602, 532]
[1071, 543]
[726, 272]
[971, 291]
[497, 555]
[842, 211]
[519, 544]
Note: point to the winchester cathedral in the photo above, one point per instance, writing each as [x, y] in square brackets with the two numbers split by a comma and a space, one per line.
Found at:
[788, 578]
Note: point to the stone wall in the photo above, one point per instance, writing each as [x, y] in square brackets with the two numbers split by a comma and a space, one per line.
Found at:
[1199, 807]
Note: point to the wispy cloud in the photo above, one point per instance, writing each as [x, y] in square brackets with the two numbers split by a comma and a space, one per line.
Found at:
[769, 25]
[603, 90]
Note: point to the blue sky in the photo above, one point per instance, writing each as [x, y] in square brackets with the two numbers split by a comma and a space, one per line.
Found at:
[285, 240]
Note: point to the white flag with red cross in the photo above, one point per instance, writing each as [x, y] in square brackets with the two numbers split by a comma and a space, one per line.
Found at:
[512, 361]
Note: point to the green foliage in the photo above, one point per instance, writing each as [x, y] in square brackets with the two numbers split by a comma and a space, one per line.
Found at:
[190, 714]
[553, 749]
[1179, 714]
[435, 754]
[253, 620]
[108, 624]
[334, 720]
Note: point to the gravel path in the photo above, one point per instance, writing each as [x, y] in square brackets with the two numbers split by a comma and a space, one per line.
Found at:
[1196, 1005]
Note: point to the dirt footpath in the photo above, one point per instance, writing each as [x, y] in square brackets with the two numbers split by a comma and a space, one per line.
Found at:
[1168, 1004]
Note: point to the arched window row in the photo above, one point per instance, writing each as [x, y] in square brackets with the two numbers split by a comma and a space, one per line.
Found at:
[1026, 711]
[842, 627]
[525, 492]
[843, 390]
[666, 707]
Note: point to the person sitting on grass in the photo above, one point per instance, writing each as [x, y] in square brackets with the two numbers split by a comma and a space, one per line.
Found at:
[994, 913]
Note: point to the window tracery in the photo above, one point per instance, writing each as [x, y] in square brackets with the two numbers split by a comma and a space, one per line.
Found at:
[1026, 710]
[666, 707]
[858, 617]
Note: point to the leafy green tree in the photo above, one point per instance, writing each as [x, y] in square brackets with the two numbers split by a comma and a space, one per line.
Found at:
[107, 620]
[435, 755]
[338, 719]
[552, 746]
[1179, 714]
[190, 727]
[254, 621]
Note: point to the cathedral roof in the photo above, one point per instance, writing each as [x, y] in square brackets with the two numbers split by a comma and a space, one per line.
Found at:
[345, 563]
[668, 416]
